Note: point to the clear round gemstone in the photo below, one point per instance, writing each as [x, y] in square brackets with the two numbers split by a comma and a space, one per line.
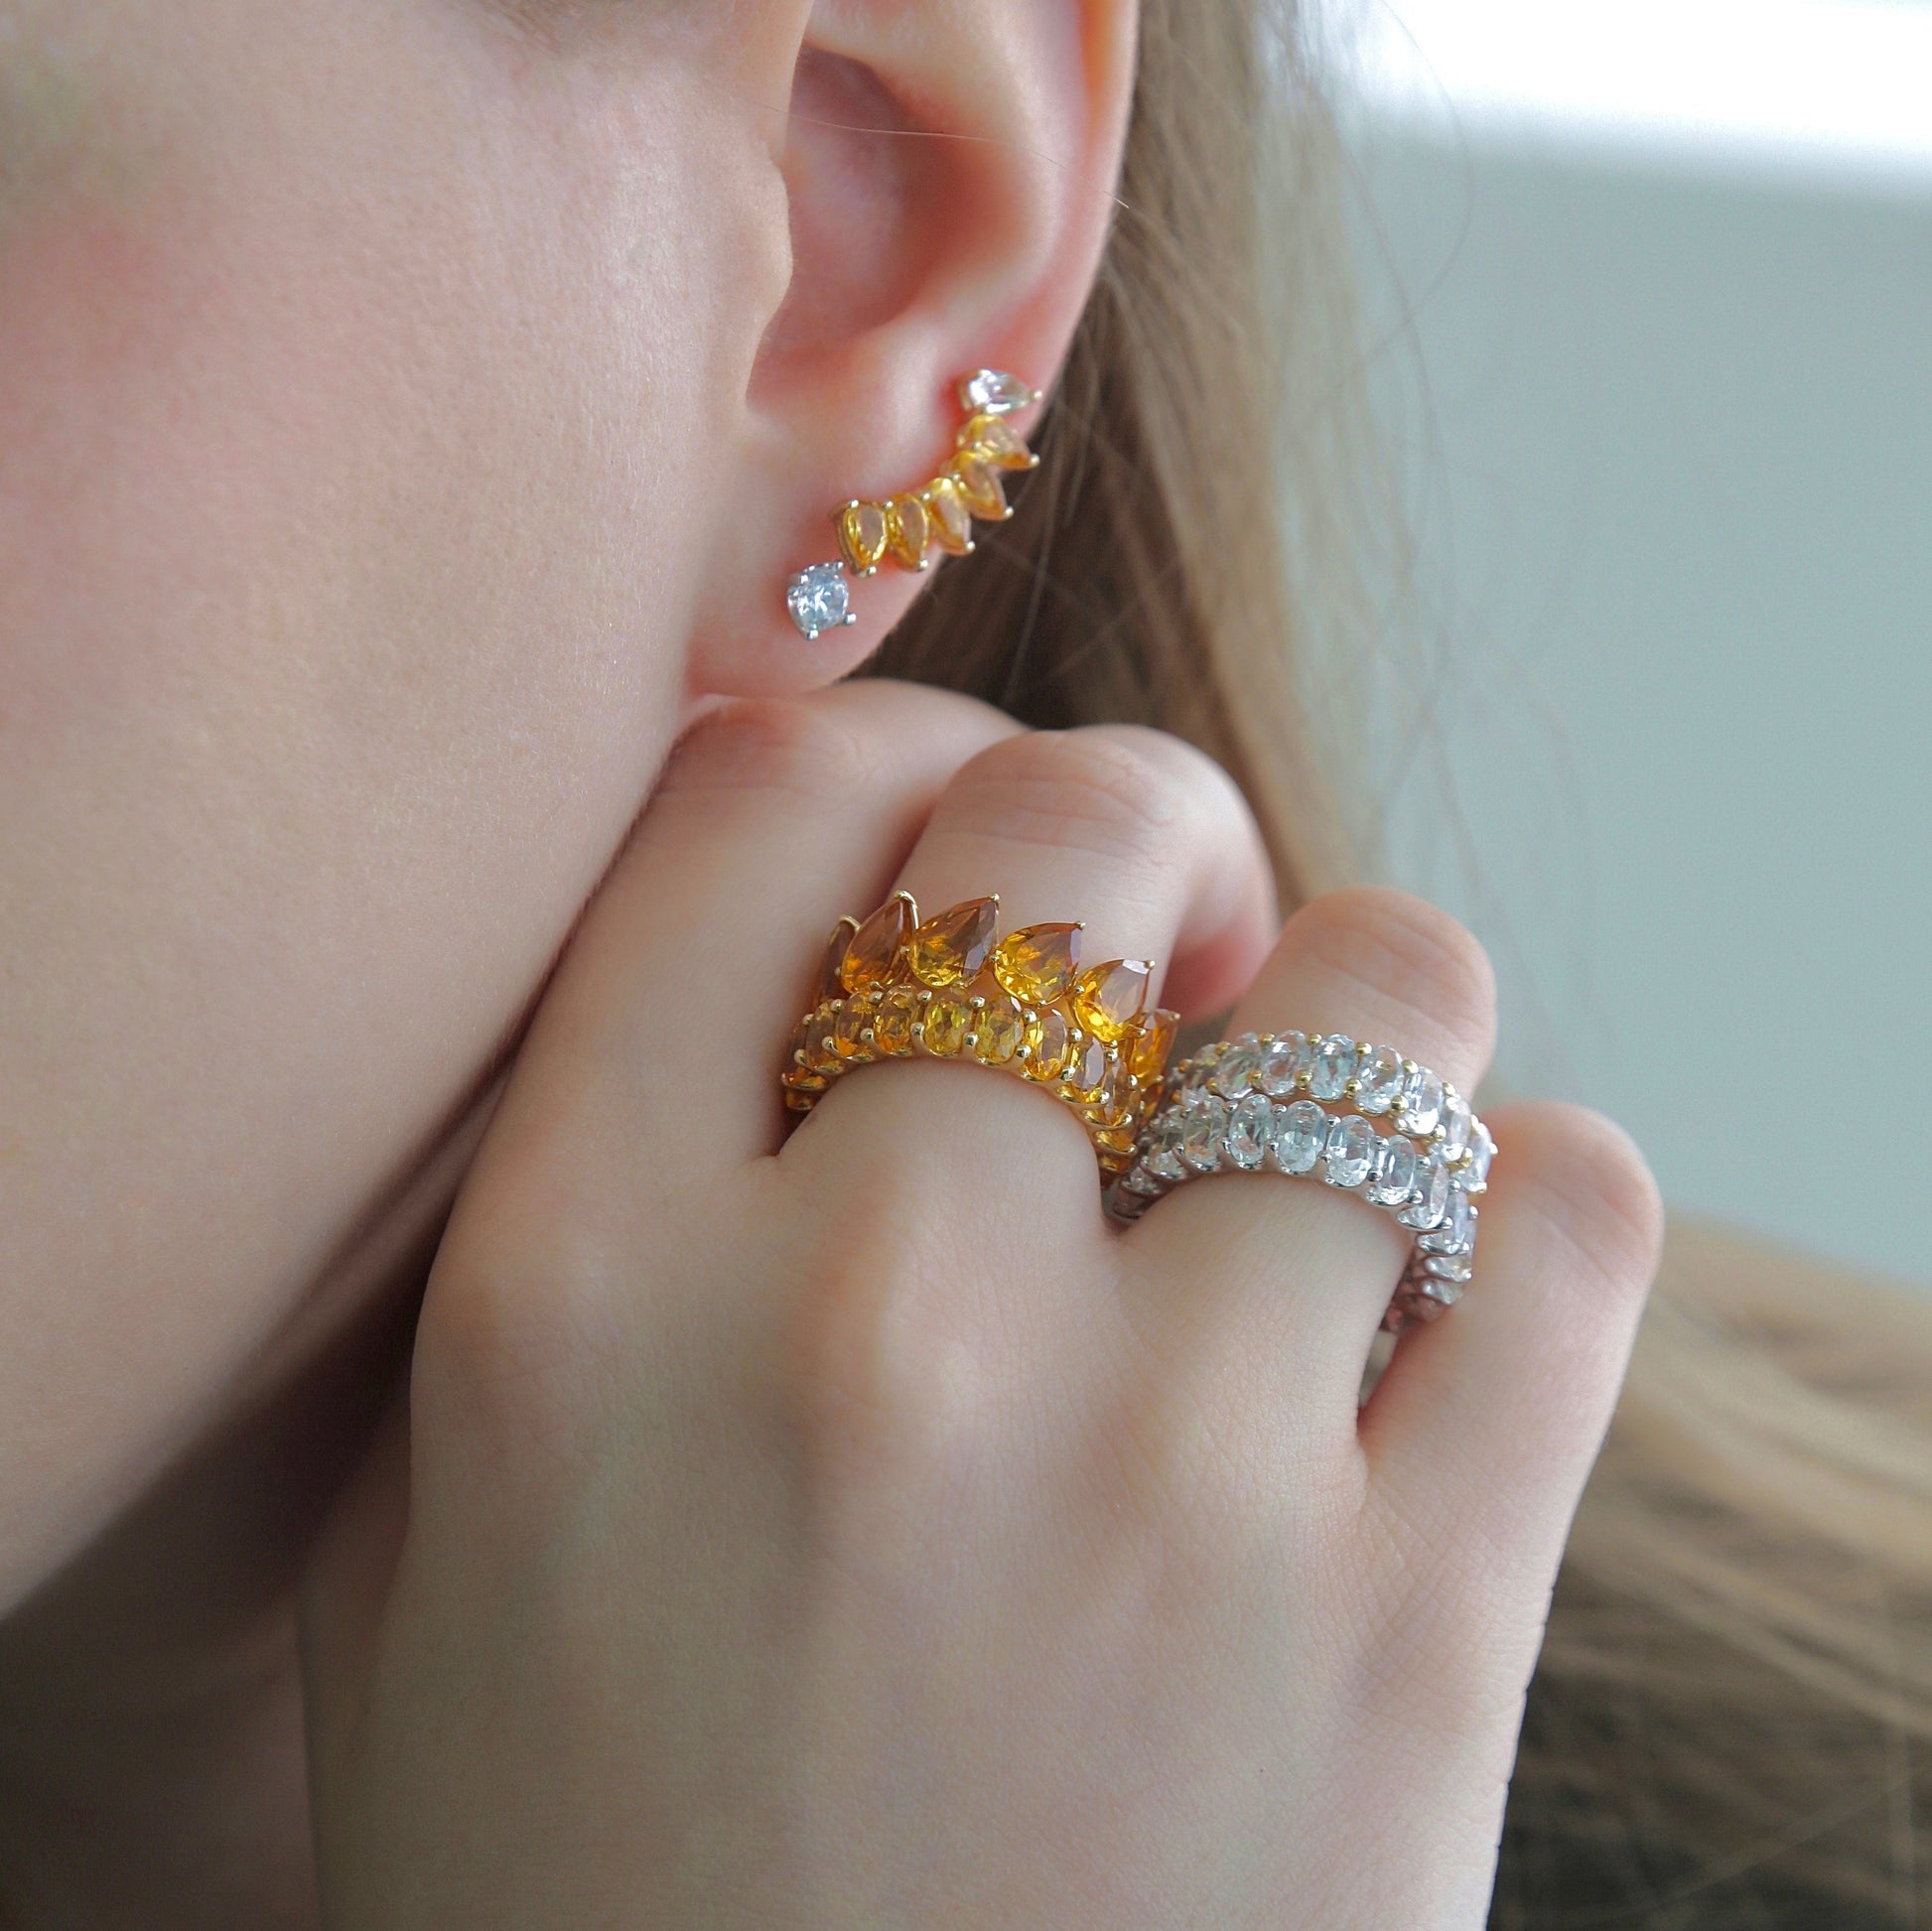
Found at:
[1238, 1066]
[818, 599]
[1378, 1080]
[1422, 1102]
[1138, 1180]
[1247, 1131]
[1352, 1152]
[994, 391]
[1300, 1133]
[1431, 1196]
[1283, 1060]
[1394, 1179]
[1458, 1233]
[1201, 1127]
[1332, 1067]
[1455, 1124]
[1482, 1150]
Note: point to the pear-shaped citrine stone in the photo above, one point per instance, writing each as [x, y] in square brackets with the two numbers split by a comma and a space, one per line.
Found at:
[874, 947]
[862, 536]
[1038, 964]
[909, 529]
[830, 983]
[979, 484]
[994, 440]
[950, 948]
[1147, 1055]
[951, 522]
[1108, 1000]
[1086, 1072]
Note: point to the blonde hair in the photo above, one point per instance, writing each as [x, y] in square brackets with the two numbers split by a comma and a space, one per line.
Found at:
[1734, 1708]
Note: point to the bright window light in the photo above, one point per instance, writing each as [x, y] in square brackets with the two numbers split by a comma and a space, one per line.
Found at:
[1832, 85]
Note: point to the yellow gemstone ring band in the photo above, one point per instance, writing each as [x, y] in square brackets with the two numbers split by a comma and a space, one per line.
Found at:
[892, 987]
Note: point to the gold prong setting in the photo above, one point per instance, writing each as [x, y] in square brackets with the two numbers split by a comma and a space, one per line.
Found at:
[939, 514]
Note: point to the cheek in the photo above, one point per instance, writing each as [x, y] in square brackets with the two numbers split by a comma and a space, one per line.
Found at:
[349, 480]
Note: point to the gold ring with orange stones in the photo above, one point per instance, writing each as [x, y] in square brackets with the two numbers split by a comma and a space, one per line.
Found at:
[949, 988]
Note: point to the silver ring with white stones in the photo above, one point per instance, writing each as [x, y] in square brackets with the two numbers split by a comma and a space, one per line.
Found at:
[1284, 1103]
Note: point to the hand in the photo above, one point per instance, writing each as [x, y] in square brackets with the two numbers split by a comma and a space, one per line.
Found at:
[854, 1529]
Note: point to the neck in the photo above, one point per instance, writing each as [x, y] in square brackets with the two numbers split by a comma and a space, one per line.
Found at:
[152, 1762]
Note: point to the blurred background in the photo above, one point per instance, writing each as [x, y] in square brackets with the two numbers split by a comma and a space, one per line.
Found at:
[1649, 290]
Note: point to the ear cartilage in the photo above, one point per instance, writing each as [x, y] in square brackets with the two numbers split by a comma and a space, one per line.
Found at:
[940, 513]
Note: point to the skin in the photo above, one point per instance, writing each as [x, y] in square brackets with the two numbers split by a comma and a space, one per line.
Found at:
[407, 412]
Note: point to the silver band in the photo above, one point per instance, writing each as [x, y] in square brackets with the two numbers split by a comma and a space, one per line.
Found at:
[1312, 1108]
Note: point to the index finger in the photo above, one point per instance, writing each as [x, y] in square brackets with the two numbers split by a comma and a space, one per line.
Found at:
[661, 1036]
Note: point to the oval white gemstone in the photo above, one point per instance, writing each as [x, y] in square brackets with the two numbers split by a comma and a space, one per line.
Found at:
[1200, 1069]
[1431, 1196]
[1332, 1067]
[994, 392]
[1352, 1152]
[1395, 1172]
[1246, 1140]
[1448, 1267]
[1161, 1157]
[1422, 1102]
[1378, 1080]
[1283, 1061]
[1238, 1066]
[818, 599]
[1457, 1234]
[1301, 1132]
[1455, 1124]
[1443, 1294]
[1138, 1180]
[1201, 1127]
[1482, 1150]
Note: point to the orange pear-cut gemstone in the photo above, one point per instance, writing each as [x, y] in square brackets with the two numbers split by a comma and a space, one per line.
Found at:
[874, 947]
[862, 536]
[1037, 964]
[1108, 1000]
[950, 948]
[1048, 1038]
[1147, 1055]
[947, 1019]
[979, 484]
[1118, 1141]
[830, 983]
[909, 529]
[952, 522]
[994, 440]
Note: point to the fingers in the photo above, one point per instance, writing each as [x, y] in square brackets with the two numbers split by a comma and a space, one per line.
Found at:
[1134, 835]
[1288, 1279]
[1488, 1421]
[660, 1037]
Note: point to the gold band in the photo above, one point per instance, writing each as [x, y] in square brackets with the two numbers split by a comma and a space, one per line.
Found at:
[893, 988]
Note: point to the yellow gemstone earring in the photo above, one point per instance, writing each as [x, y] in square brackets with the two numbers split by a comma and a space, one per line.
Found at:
[905, 528]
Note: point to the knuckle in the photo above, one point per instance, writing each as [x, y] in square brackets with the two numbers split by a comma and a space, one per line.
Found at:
[508, 1370]
[877, 1365]
[1582, 1177]
[1406, 952]
[1084, 790]
[818, 752]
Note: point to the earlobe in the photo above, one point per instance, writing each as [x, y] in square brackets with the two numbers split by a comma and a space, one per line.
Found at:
[950, 179]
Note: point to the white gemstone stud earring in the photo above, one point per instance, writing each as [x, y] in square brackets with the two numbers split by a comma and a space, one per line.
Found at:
[904, 527]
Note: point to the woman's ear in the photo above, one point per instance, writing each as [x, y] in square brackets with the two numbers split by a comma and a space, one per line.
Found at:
[949, 175]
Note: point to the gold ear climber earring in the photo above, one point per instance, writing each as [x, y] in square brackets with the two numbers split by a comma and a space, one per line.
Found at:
[907, 526]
